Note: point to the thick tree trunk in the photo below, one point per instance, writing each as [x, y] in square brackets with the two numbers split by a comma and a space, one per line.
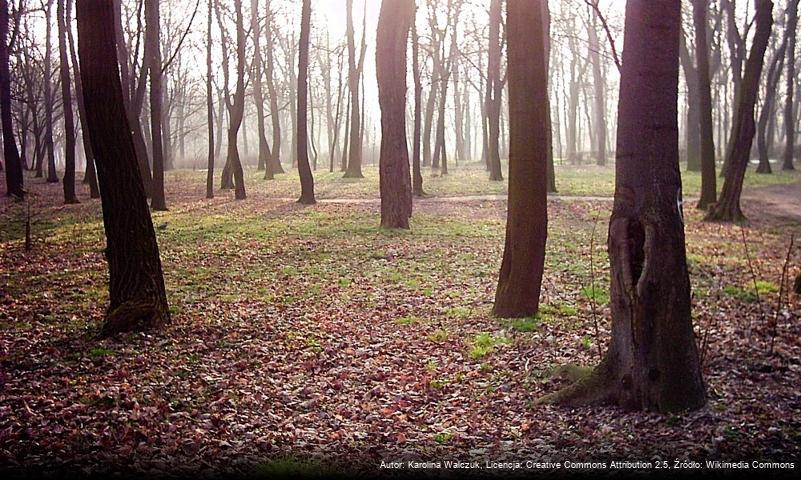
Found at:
[306, 178]
[518, 292]
[136, 285]
[789, 118]
[13, 163]
[153, 35]
[66, 95]
[742, 134]
[394, 21]
[652, 362]
[417, 176]
[494, 91]
[708, 178]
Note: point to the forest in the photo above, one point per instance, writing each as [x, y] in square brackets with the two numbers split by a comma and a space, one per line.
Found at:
[391, 238]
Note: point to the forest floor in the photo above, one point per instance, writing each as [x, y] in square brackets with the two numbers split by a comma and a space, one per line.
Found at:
[307, 338]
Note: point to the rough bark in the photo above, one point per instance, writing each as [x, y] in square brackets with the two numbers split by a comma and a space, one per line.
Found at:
[743, 129]
[652, 362]
[708, 177]
[394, 21]
[137, 298]
[520, 281]
[306, 178]
[13, 163]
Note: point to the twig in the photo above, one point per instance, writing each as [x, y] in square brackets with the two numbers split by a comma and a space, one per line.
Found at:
[592, 288]
[594, 5]
[775, 326]
[754, 279]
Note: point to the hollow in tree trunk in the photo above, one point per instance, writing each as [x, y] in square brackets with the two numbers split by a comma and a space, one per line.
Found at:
[652, 362]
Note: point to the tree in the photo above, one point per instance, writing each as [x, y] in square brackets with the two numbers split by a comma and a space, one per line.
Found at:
[153, 47]
[789, 118]
[743, 129]
[236, 108]
[708, 179]
[66, 95]
[599, 101]
[394, 21]
[417, 176]
[13, 162]
[90, 175]
[209, 108]
[275, 114]
[354, 169]
[52, 177]
[258, 97]
[766, 115]
[494, 91]
[306, 178]
[518, 292]
[137, 298]
[652, 361]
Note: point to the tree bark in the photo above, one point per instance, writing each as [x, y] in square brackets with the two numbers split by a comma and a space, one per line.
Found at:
[599, 102]
[66, 95]
[209, 108]
[518, 292]
[52, 177]
[136, 285]
[652, 362]
[766, 115]
[13, 163]
[354, 169]
[275, 112]
[306, 177]
[394, 21]
[742, 134]
[708, 177]
[258, 97]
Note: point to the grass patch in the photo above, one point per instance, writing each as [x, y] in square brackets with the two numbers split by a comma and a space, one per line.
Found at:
[483, 344]
[599, 294]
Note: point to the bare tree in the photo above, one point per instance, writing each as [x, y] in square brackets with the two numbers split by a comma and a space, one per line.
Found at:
[14, 178]
[306, 178]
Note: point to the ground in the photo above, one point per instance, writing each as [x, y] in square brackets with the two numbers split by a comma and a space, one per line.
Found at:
[307, 337]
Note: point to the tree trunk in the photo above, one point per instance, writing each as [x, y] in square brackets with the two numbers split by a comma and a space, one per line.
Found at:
[494, 91]
[742, 134]
[209, 108]
[258, 97]
[306, 178]
[394, 21]
[136, 284]
[152, 38]
[237, 109]
[90, 176]
[599, 103]
[14, 178]
[652, 362]
[275, 112]
[354, 169]
[66, 95]
[708, 178]
[767, 115]
[789, 118]
[52, 177]
[417, 176]
[518, 292]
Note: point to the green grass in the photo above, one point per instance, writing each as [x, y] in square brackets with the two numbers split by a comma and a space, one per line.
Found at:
[483, 344]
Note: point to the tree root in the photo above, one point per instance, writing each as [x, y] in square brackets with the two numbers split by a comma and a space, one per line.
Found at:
[589, 387]
[134, 316]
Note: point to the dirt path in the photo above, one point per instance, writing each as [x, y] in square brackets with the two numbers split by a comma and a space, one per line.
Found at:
[782, 202]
